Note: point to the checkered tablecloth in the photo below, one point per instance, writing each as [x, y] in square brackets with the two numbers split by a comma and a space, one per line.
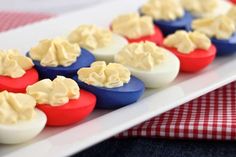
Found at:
[10, 20]
[212, 116]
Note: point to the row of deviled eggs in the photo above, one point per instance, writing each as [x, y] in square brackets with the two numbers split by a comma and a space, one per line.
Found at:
[112, 68]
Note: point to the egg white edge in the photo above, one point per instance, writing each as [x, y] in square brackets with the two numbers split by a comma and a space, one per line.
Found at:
[23, 130]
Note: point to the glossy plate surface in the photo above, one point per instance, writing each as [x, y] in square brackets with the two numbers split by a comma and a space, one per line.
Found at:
[99, 125]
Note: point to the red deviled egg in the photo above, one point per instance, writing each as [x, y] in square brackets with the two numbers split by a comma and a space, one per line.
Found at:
[233, 1]
[62, 100]
[136, 28]
[16, 71]
[194, 50]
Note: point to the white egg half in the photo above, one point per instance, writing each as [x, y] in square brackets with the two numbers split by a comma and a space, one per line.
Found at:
[160, 75]
[23, 131]
[107, 53]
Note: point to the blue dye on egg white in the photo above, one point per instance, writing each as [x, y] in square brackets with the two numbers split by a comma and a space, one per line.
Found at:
[170, 27]
[84, 60]
[225, 47]
[111, 98]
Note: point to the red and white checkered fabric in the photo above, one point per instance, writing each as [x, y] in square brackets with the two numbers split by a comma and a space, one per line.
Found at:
[212, 116]
[10, 20]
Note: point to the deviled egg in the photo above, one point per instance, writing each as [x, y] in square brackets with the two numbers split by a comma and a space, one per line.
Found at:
[16, 71]
[102, 43]
[154, 65]
[233, 1]
[206, 8]
[232, 14]
[136, 28]
[221, 30]
[62, 100]
[19, 120]
[168, 15]
[57, 56]
[194, 50]
[112, 84]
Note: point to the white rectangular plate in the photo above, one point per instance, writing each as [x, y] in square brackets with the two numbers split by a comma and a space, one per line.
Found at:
[103, 124]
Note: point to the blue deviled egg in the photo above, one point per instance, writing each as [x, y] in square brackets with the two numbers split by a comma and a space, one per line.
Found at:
[222, 31]
[168, 15]
[112, 84]
[57, 56]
